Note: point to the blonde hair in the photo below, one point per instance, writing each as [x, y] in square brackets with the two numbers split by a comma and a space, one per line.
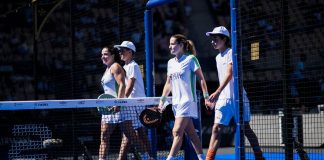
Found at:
[188, 45]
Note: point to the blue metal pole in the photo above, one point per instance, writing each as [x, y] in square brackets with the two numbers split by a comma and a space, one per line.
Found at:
[236, 79]
[148, 27]
[156, 3]
[149, 52]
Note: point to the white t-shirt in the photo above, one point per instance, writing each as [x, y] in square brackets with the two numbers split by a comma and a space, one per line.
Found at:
[227, 94]
[133, 71]
[131, 113]
[183, 78]
[222, 60]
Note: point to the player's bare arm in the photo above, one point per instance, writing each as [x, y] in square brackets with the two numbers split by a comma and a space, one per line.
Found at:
[214, 96]
[165, 93]
[203, 85]
[130, 86]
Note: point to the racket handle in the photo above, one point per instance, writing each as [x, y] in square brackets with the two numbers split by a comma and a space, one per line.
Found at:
[165, 104]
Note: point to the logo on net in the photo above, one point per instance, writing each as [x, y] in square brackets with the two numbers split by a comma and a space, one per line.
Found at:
[81, 102]
[18, 104]
[99, 101]
[120, 101]
[41, 104]
[62, 103]
[140, 100]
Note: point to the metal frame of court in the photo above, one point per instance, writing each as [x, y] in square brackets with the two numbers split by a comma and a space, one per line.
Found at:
[148, 21]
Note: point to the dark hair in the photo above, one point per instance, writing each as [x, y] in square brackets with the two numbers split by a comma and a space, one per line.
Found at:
[188, 45]
[114, 51]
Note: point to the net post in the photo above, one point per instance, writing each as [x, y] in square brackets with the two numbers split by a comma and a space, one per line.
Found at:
[287, 108]
[149, 62]
[239, 135]
[35, 50]
[148, 23]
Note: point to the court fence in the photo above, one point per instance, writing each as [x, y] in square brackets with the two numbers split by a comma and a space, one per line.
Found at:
[280, 64]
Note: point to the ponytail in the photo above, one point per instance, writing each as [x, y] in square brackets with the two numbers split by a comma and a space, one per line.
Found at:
[188, 45]
[191, 47]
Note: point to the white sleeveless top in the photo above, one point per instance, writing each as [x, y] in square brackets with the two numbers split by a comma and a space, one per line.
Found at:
[110, 86]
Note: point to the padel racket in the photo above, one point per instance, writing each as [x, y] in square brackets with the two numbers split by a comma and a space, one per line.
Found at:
[106, 110]
[151, 117]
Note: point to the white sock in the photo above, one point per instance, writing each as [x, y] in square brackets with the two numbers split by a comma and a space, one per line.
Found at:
[169, 158]
[201, 156]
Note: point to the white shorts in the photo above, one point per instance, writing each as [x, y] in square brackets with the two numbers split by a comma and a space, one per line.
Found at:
[224, 111]
[132, 113]
[136, 122]
[188, 109]
[111, 118]
[127, 113]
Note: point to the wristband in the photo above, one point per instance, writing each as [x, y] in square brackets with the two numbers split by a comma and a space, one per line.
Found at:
[206, 95]
[163, 98]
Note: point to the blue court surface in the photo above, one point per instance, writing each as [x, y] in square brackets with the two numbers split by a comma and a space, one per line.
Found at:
[271, 155]
[250, 156]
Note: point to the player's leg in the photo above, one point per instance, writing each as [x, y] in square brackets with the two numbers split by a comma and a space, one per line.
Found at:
[123, 147]
[106, 130]
[214, 141]
[142, 135]
[131, 138]
[249, 133]
[195, 141]
[177, 132]
[253, 139]
[140, 130]
[222, 118]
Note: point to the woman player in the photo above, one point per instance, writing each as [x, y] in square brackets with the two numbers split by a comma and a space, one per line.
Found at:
[181, 81]
[113, 83]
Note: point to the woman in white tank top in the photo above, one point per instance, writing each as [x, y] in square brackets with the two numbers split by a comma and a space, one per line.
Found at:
[113, 83]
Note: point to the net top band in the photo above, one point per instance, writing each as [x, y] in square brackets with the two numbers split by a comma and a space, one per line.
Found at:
[79, 103]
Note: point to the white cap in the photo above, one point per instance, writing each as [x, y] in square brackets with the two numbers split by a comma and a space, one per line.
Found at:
[219, 30]
[126, 44]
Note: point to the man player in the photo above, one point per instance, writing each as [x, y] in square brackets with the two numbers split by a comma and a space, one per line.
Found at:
[224, 96]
